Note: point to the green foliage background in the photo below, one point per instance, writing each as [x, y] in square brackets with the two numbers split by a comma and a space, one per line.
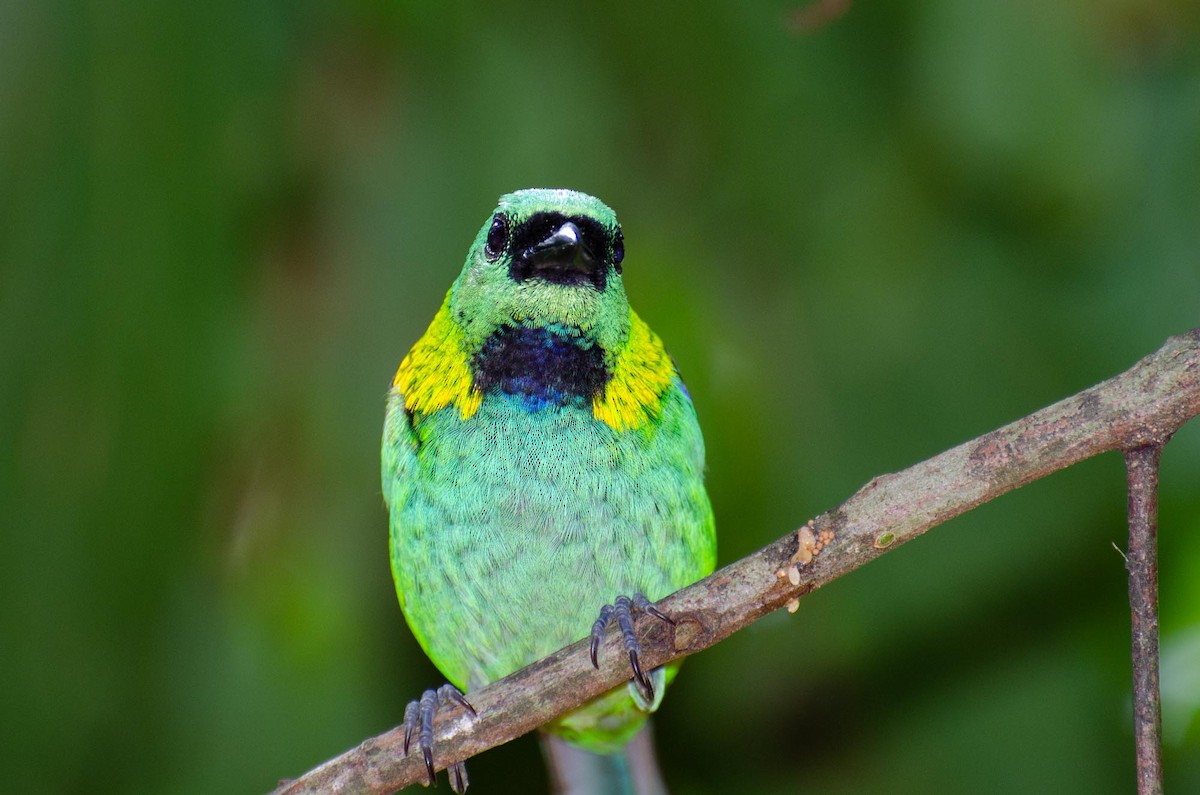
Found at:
[222, 224]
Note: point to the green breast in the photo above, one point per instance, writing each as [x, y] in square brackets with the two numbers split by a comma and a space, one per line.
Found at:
[510, 529]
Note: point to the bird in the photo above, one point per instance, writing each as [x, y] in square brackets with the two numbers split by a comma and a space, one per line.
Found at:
[543, 472]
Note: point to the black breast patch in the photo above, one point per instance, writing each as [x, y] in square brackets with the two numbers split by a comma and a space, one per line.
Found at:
[547, 368]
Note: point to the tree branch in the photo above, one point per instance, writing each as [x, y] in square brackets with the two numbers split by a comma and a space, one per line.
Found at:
[1141, 464]
[1143, 406]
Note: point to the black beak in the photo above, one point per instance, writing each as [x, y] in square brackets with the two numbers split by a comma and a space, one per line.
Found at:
[562, 258]
[564, 248]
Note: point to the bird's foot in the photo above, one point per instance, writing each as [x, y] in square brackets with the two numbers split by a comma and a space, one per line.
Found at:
[622, 611]
[418, 720]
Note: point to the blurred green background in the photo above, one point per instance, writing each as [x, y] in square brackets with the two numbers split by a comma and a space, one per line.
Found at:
[865, 236]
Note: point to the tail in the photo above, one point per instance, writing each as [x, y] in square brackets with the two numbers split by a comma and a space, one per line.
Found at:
[633, 770]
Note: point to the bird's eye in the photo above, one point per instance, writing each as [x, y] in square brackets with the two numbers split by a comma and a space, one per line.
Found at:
[618, 249]
[497, 237]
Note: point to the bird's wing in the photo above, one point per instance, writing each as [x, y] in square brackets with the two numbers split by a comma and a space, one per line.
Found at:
[399, 453]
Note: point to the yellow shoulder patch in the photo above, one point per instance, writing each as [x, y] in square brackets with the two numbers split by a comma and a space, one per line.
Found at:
[641, 374]
[435, 373]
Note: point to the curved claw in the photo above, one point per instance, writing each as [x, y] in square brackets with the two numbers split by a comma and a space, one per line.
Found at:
[455, 695]
[427, 752]
[622, 611]
[410, 724]
[418, 720]
[652, 610]
[458, 777]
[598, 628]
[643, 681]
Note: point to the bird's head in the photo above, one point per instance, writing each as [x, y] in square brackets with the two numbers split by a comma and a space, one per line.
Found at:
[544, 259]
[539, 313]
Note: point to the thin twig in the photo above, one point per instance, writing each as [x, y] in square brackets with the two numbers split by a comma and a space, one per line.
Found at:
[1142, 406]
[1141, 464]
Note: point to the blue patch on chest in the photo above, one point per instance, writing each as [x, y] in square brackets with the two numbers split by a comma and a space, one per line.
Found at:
[544, 367]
